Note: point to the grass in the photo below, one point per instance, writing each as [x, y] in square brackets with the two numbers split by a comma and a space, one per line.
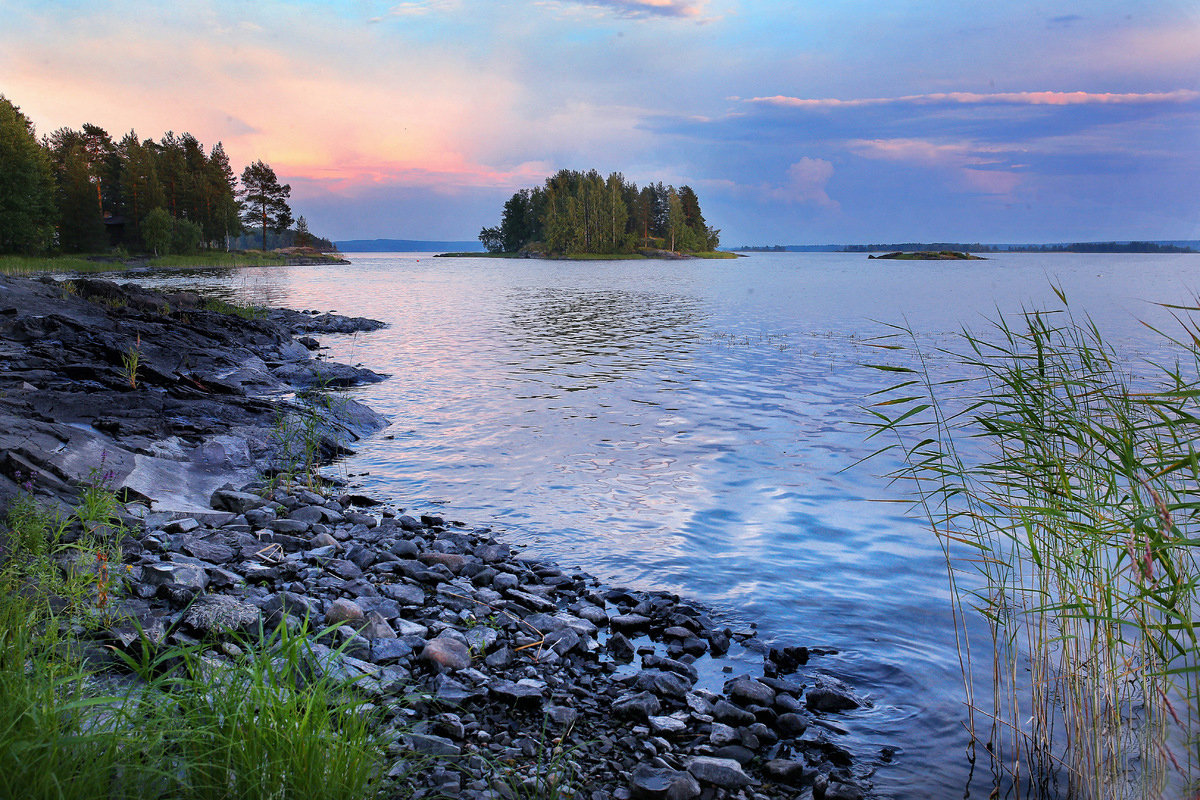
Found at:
[1062, 488]
[224, 307]
[31, 265]
[174, 721]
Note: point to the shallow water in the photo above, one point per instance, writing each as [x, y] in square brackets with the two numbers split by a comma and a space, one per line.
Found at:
[694, 426]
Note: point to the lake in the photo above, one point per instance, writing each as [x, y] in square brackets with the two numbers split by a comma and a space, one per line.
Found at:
[695, 426]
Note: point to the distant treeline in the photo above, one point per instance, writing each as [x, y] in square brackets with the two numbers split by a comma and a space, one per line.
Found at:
[1101, 247]
[81, 191]
[976, 247]
[583, 212]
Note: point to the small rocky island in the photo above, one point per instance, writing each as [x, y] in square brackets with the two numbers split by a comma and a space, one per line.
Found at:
[483, 667]
[930, 255]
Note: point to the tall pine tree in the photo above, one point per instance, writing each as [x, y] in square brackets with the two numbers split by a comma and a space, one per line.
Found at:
[265, 200]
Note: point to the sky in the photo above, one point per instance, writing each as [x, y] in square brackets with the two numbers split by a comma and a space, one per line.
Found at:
[826, 121]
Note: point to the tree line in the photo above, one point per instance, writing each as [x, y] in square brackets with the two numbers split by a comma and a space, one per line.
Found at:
[82, 191]
[583, 212]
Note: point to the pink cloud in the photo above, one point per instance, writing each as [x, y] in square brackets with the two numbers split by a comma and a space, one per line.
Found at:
[968, 161]
[993, 98]
[648, 8]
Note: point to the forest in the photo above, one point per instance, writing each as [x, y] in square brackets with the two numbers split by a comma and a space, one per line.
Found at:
[579, 213]
[82, 191]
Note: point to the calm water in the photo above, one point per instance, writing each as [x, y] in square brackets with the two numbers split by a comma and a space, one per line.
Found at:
[692, 426]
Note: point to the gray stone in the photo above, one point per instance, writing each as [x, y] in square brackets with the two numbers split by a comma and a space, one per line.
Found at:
[377, 627]
[782, 770]
[721, 734]
[504, 581]
[660, 783]
[189, 576]
[522, 693]
[185, 525]
[640, 706]
[830, 694]
[404, 594]
[663, 684]
[430, 745]
[723, 772]
[288, 526]
[790, 725]
[667, 725]
[620, 647]
[727, 712]
[390, 651]
[748, 691]
[235, 501]
[626, 623]
[346, 570]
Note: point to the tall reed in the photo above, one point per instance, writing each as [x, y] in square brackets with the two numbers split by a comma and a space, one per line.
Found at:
[1063, 487]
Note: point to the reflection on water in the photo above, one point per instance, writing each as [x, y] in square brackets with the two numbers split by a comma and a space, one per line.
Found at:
[592, 336]
[692, 426]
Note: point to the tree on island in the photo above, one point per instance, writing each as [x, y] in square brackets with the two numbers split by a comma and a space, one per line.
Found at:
[265, 200]
[577, 212]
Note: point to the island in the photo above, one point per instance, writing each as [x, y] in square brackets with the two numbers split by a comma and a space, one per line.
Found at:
[585, 215]
[930, 255]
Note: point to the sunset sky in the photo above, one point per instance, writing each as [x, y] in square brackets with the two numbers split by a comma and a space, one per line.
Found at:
[796, 122]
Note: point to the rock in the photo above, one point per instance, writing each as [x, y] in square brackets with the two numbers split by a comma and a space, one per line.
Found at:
[782, 770]
[723, 772]
[660, 783]
[668, 725]
[188, 576]
[830, 694]
[727, 712]
[446, 653]
[390, 651]
[185, 525]
[346, 570]
[791, 725]
[377, 627]
[218, 613]
[404, 594]
[345, 612]
[640, 706]
[722, 734]
[620, 647]
[748, 691]
[430, 745]
[524, 693]
[837, 790]
[227, 499]
[629, 623]
[663, 684]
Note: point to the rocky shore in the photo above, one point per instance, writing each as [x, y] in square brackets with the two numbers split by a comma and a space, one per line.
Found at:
[497, 674]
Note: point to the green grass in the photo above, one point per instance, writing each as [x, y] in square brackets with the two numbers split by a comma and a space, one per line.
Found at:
[272, 723]
[220, 259]
[1061, 486]
[32, 265]
[715, 254]
[224, 307]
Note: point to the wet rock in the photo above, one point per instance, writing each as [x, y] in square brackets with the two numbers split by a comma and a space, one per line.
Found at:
[791, 725]
[629, 623]
[831, 694]
[722, 772]
[727, 712]
[783, 770]
[748, 691]
[663, 684]
[620, 647]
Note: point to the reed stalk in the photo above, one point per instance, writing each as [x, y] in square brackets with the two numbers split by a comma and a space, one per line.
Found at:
[1062, 486]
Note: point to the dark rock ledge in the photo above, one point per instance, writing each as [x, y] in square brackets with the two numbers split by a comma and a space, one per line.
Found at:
[508, 656]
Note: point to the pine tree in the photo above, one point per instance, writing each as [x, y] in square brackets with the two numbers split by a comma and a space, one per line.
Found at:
[265, 200]
[26, 185]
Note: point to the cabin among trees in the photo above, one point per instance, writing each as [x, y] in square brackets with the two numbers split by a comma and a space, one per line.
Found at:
[583, 212]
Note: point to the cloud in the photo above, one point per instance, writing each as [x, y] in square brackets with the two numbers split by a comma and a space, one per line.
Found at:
[416, 8]
[980, 167]
[993, 98]
[650, 8]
